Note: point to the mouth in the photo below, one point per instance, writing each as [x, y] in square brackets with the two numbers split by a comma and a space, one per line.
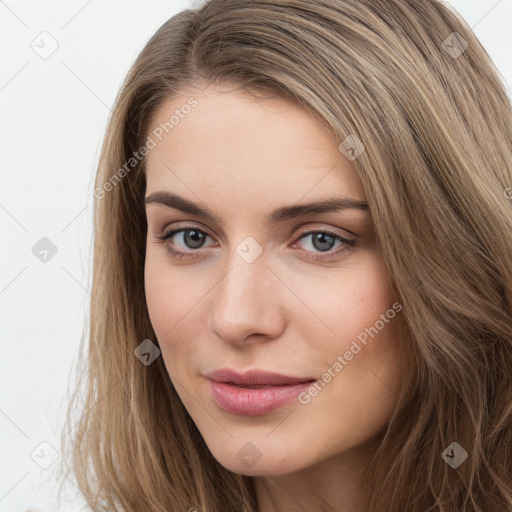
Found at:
[255, 392]
[255, 378]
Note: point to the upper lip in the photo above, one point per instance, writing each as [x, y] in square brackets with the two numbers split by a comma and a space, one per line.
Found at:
[255, 377]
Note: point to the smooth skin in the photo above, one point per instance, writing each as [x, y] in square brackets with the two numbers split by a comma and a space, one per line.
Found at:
[287, 312]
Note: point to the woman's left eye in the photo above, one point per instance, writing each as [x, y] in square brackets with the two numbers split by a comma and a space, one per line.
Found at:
[321, 241]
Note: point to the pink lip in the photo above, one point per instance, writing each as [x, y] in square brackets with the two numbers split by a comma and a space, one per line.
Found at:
[274, 390]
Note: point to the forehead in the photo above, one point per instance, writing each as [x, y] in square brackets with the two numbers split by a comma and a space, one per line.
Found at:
[229, 140]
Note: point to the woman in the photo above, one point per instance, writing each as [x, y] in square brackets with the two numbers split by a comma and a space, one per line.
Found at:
[302, 287]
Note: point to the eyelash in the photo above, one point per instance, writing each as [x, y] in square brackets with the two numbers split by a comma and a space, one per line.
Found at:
[162, 239]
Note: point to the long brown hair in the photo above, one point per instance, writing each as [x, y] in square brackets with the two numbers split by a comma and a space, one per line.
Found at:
[411, 82]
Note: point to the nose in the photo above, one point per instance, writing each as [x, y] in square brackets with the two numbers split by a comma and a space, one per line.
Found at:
[247, 302]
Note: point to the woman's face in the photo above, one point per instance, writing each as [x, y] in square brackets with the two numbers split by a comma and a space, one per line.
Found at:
[258, 282]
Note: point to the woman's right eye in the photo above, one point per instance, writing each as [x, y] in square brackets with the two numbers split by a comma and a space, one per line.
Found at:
[192, 239]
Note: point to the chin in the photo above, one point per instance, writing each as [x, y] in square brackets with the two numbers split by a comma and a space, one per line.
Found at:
[258, 458]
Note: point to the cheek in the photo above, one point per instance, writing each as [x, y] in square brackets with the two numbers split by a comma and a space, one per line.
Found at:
[172, 301]
[357, 354]
[345, 305]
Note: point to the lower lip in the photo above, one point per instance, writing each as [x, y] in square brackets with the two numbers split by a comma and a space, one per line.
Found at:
[254, 402]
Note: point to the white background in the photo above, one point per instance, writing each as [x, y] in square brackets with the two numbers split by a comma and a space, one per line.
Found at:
[53, 114]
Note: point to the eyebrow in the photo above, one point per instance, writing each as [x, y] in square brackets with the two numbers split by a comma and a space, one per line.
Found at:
[327, 205]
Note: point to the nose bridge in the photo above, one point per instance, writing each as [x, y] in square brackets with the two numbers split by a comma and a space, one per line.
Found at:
[247, 270]
[243, 296]
[243, 286]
